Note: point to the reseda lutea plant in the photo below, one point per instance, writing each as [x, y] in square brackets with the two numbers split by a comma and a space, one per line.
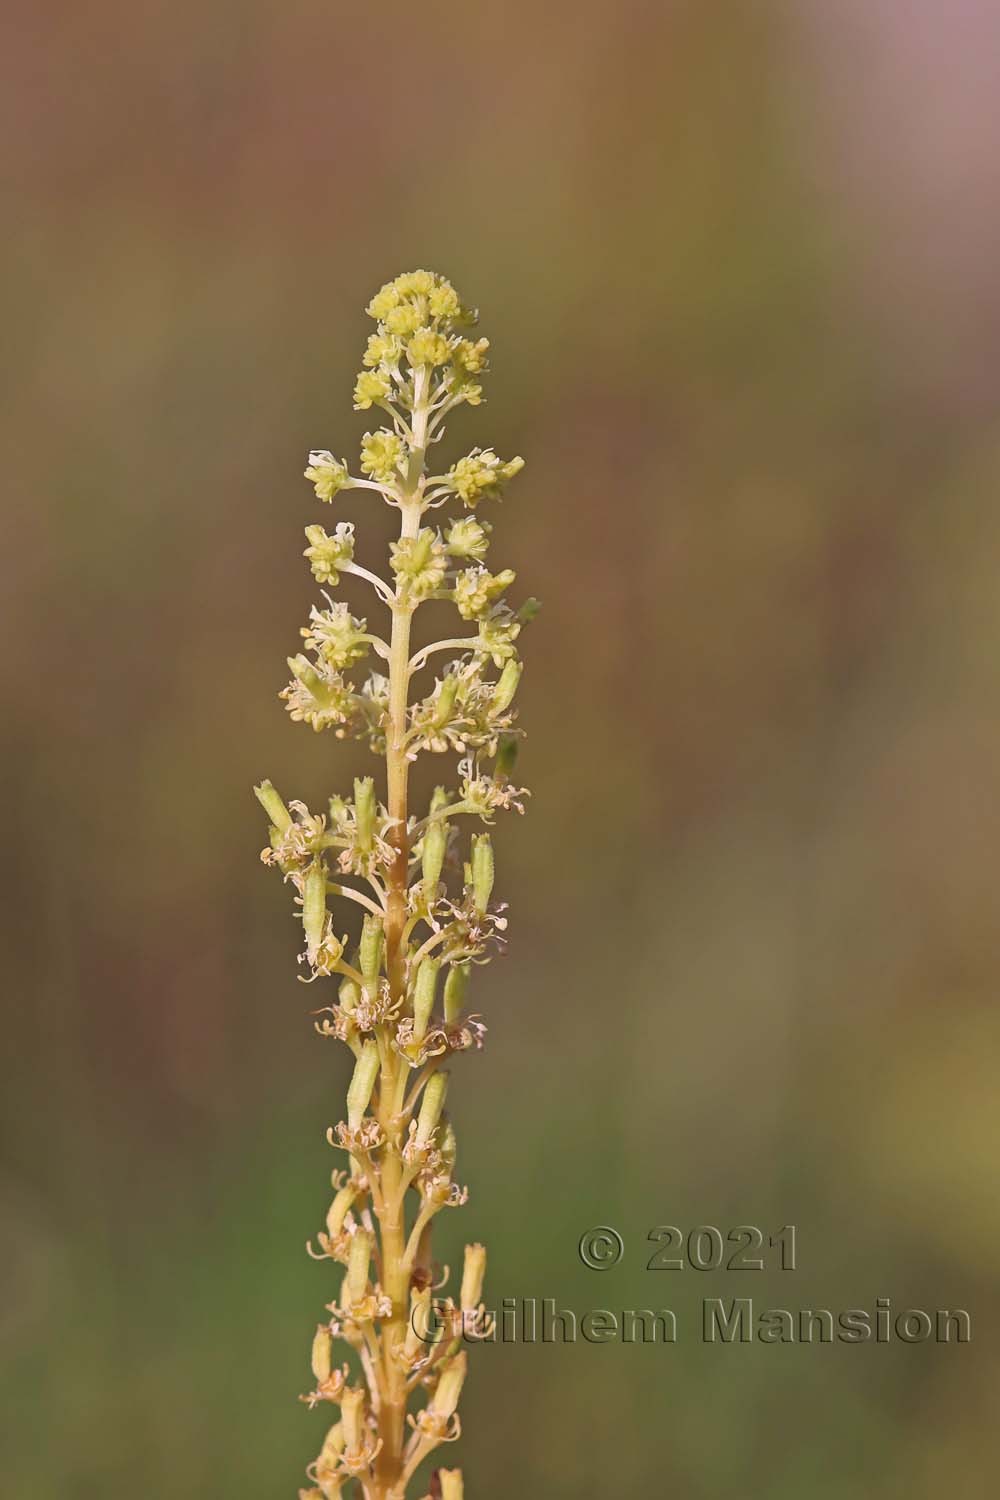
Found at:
[420, 890]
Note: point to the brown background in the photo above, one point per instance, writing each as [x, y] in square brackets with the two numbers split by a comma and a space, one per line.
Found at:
[738, 265]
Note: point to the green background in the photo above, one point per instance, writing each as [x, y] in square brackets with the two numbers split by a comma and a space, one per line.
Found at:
[736, 262]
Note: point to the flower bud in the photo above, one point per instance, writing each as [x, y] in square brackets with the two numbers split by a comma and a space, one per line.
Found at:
[472, 1277]
[352, 1413]
[433, 846]
[358, 1260]
[503, 693]
[451, 1484]
[449, 1389]
[423, 996]
[362, 1084]
[370, 952]
[455, 987]
[314, 907]
[273, 806]
[482, 871]
[322, 1352]
[431, 1107]
[364, 812]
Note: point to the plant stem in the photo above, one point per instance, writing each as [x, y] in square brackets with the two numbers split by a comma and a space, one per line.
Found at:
[392, 1429]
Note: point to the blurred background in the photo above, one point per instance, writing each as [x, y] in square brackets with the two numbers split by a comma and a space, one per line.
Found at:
[738, 264]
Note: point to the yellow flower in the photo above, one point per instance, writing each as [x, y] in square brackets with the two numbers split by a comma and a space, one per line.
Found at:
[383, 302]
[328, 554]
[382, 455]
[419, 562]
[382, 349]
[328, 474]
[476, 590]
[482, 475]
[403, 319]
[468, 537]
[428, 348]
[415, 283]
[370, 386]
[471, 357]
[443, 302]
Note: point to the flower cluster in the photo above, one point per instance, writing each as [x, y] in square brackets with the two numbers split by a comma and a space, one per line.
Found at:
[481, 476]
[329, 555]
[421, 886]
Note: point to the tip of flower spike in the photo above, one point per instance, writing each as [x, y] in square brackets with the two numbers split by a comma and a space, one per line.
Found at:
[419, 299]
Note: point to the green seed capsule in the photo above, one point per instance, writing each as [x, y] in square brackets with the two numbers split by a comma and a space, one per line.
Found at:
[423, 996]
[455, 987]
[333, 1444]
[352, 1413]
[364, 812]
[472, 1277]
[273, 806]
[322, 1353]
[358, 1260]
[338, 811]
[503, 693]
[506, 757]
[349, 994]
[482, 871]
[431, 1107]
[370, 951]
[339, 1209]
[420, 1329]
[446, 701]
[303, 670]
[450, 1386]
[447, 1144]
[314, 907]
[434, 847]
[422, 547]
[362, 1084]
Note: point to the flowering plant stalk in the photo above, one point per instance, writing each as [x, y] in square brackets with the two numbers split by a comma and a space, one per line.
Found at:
[421, 892]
